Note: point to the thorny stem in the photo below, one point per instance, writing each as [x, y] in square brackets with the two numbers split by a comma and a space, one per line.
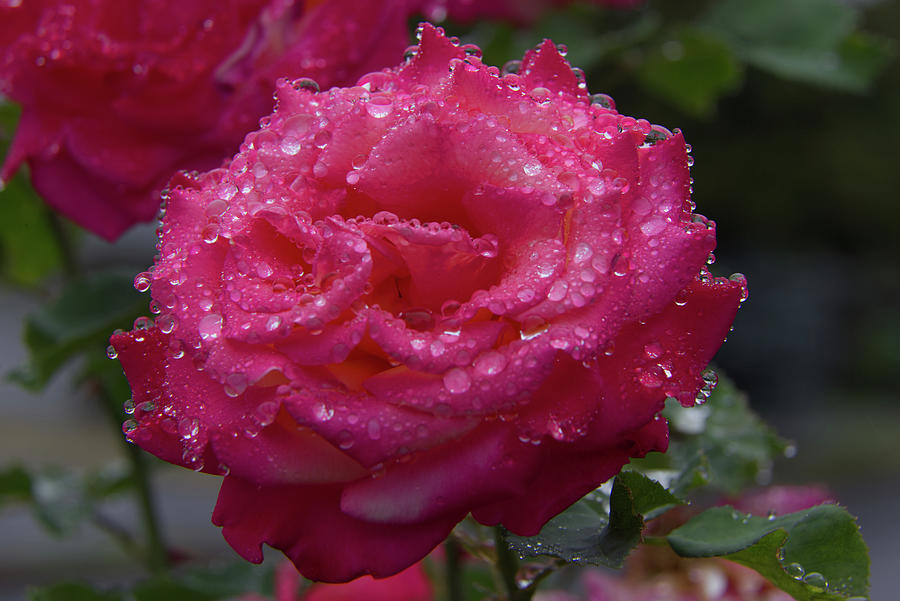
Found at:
[454, 569]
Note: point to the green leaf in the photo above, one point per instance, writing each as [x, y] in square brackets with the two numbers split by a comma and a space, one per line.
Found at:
[813, 555]
[588, 533]
[59, 502]
[168, 590]
[29, 248]
[229, 579]
[15, 485]
[691, 70]
[70, 591]
[80, 321]
[721, 444]
[805, 40]
[649, 497]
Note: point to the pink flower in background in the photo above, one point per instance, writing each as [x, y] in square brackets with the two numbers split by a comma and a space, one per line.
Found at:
[411, 584]
[444, 290]
[118, 96]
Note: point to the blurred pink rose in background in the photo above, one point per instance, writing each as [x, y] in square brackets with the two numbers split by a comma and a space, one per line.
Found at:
[118, 96]
[444, 290]
[411, 584]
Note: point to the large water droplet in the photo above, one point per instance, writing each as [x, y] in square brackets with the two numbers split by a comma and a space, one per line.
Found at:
[457, 381]
[210, 326]
[490, 363]
[142, 281]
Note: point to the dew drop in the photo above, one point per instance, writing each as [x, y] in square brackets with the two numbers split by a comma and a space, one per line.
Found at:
[457, 381]
[490, 363]
[322, 412]
[235, 384]
[265, 413]
[532, 167]
[795, 571]
[511, 67]
[210, 326]
[603, 100]
[111, 352]
[306, 84]
[142, 281]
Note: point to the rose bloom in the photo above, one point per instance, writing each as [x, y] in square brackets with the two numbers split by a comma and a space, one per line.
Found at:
[116, 96]
[444, 290]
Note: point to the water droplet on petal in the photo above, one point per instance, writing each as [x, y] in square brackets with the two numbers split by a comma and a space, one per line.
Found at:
[307, 84]
[457, 381]
[490, 363]
[142, 281]
[210, 326]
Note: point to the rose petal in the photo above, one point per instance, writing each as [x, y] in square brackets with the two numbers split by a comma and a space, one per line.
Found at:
[306, 523]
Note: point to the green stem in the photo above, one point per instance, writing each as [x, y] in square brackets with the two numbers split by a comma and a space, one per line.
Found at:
[155, 554]
[64, 244]
[454, 569]
[508, 566]
[157, 558]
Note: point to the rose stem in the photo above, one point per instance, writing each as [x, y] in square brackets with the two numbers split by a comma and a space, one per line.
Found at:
[454, 570]
[155, 554]
[508, 565]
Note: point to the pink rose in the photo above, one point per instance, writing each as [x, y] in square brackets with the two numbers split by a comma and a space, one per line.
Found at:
[117, 96]
[441, 291]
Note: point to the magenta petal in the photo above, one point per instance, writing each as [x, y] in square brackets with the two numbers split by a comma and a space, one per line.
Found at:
[429, 65]
[439, 482]
[546, 68]
[570, 475]
[433, 351]
[496, 381]
[324, 543]
[370, 430]
[283, 453]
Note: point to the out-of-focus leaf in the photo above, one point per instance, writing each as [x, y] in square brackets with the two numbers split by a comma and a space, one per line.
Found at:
[62, 500]
[168, 590]
[15, 485]
[599, 529]
[691, 70]
[70, 591]
[722, 444]
[806, 40]
[813, 555]
[59, 503]
[29, 248]
[228, 580]
[80, 320]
